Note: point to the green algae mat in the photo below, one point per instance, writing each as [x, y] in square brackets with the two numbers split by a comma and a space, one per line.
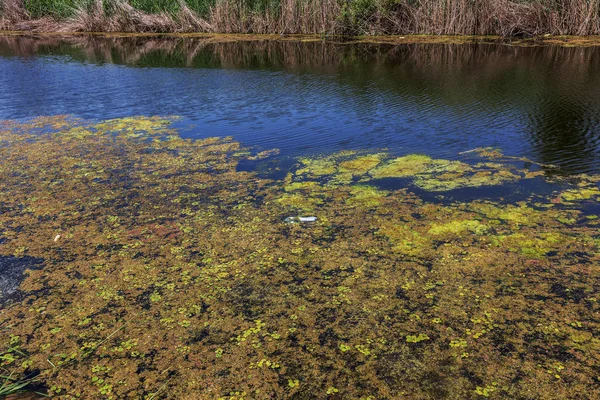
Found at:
[170, 272]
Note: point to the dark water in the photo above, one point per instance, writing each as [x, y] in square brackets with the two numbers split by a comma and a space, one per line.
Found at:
[11, 274]
[308, 98]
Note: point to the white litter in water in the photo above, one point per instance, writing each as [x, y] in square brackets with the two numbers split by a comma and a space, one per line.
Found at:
[293, 220]
[469, 151]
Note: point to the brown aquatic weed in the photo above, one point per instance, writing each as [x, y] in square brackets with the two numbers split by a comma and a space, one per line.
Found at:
[176, 276]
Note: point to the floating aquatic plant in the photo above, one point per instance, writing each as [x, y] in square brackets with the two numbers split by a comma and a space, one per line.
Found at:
[175, 273]
[435, 175]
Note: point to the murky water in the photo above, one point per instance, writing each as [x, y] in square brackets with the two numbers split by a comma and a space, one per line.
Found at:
[313, 221]
[306, 98]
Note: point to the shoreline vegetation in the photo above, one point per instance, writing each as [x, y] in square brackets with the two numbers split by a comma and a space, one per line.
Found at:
[216, 38]
[342, 18]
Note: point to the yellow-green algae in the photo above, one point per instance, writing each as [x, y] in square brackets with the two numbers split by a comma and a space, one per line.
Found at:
[360, 165]
[341, 167]
[170, 274]
[435, 175]
[410, 165]
[583, 193]
[442, 175]
[458, 228]
[366, 196]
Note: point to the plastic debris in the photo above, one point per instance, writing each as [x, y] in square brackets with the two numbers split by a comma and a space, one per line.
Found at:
[469, 151]
[293, 220]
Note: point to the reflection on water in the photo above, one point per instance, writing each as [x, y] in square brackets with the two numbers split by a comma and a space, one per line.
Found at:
[306, 98]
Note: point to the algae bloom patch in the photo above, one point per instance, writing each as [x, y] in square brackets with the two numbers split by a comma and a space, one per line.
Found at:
[176, 275]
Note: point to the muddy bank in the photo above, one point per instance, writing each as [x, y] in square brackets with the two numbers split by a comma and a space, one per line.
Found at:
[543, 40]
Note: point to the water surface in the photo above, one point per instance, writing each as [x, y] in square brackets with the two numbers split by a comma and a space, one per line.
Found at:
[307, 98]
[444, 258]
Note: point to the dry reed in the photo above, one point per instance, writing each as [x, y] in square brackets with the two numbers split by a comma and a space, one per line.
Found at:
[349, 17]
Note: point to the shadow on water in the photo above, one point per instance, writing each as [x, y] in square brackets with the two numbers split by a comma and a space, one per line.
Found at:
[12, 273]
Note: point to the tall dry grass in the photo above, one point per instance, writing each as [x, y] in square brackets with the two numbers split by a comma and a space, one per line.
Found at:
[290, 17]
[103, 16]
[349, 17]
[479, 17]
[576, 17]
[11, 12]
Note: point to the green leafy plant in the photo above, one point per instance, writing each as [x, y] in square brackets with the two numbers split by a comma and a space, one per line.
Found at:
[11, 385]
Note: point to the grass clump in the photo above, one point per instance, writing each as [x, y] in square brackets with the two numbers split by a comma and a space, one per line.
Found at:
[10, 386]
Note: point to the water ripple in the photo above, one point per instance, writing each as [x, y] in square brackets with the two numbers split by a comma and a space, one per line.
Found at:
[543, 103]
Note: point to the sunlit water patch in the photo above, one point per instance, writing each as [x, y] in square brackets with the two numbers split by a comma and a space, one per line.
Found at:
[171, 272]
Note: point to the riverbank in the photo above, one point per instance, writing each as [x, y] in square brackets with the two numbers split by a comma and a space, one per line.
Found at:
[544, 40]
[336, 17]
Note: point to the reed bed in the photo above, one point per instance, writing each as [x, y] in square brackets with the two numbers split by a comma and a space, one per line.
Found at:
[340, 17]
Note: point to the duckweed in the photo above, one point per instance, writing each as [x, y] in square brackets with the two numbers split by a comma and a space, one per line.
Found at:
[175, 275]
[360, 165]
[406, 166]
[457, 228]
[443, 175]
[583, 193]
[416, 338]
[435, 175]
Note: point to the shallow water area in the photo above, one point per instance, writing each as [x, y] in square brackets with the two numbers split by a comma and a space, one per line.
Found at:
[176, 264]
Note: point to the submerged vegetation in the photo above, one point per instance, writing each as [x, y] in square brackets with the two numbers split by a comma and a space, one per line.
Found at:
[346, 17]
[168, 272]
